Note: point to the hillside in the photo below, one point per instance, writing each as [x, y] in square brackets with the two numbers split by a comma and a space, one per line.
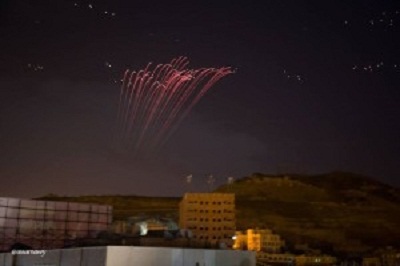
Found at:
[126, 206]
[337, 211]
[340, 211]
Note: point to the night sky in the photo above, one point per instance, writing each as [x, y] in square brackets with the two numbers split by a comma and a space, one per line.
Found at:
[316, 90]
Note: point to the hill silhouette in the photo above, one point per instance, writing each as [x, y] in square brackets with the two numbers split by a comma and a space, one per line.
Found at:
[336, 212]
[342, 212]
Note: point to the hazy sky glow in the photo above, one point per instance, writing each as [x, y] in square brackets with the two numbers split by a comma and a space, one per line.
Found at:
[316, 90]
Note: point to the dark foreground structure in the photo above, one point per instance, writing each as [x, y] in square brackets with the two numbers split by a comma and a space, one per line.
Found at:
[131, 256]
[48, 224]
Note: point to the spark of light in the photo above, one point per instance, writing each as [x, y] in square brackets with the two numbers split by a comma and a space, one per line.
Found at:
[154, 101]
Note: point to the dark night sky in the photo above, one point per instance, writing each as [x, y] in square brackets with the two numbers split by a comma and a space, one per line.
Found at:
[338, 110]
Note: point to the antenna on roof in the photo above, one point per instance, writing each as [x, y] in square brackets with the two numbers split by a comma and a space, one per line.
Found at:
[210, 182]
[231, 179]
[189, 181]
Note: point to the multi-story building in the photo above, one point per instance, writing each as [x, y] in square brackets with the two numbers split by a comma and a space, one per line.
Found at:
[247, 241]
[269, 247]
[210, 216]
[271, 243]
[259, 240]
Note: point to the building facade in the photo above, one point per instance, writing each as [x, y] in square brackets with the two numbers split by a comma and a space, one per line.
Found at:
[371, 261]
[313, 260]
[276, 259]
[259, 240]
[210, 217]
[49, 224]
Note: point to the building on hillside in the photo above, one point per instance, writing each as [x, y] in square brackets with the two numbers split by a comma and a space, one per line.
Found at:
[275, 259]
[313, 260]
[49, 224]
[210, 217]
[389, 256]
[271, 243]
[371, 261]
[142, 226]
[247, 241]
[269, 248]
[259, 240]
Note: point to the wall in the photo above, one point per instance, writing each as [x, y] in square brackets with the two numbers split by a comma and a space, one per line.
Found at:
[132, 256]
[49, 224]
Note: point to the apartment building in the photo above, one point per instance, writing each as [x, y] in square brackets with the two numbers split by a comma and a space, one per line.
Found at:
[210, 217]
